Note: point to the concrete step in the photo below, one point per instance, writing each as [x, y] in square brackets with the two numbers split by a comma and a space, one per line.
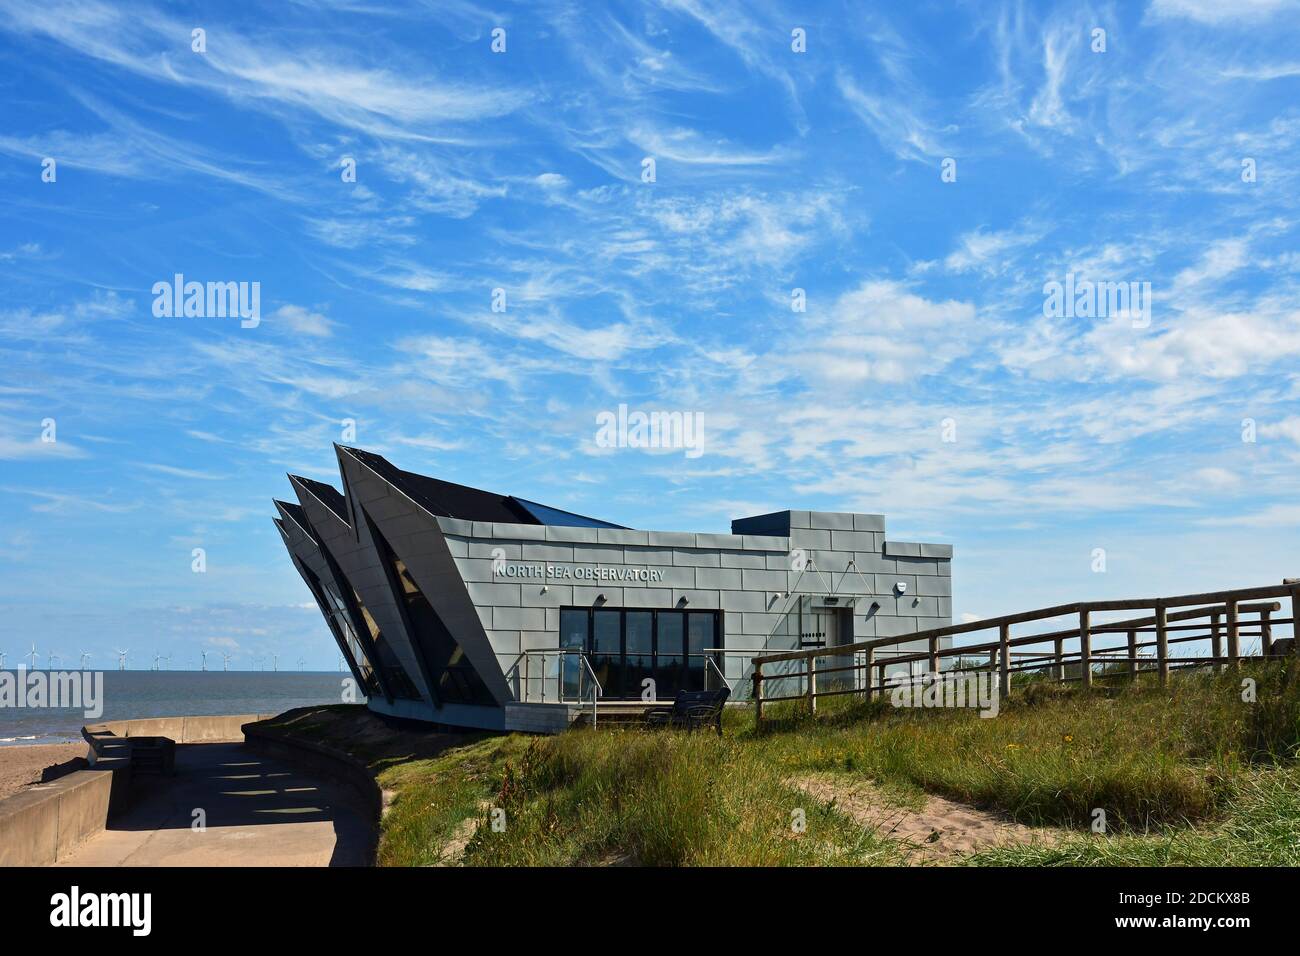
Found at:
[619, 712]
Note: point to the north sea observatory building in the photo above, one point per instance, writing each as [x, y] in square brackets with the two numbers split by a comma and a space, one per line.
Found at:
[475, 609]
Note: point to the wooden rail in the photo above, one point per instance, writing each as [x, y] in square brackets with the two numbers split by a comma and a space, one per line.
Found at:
[1215, 617]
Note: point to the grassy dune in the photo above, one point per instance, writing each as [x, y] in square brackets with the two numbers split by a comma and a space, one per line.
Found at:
[1192, 774]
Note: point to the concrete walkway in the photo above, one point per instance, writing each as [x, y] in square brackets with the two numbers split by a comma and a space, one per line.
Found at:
[260, 812]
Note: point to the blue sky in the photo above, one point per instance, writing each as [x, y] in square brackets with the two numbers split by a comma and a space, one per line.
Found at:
[522, 170]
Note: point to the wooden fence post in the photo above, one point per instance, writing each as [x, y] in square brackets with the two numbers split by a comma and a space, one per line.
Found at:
[1162, 643]
[934, 656]
[1295, 614]
[1216, 640]
[812, 685]
[1234, 635]
[758, 696]
[870, 668]
[1133, 655]
[1085, 645]
[1059, 668]
[1265, 633]
[1004, 658]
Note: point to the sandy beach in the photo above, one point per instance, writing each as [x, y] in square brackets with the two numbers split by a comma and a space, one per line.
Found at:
[22, 765]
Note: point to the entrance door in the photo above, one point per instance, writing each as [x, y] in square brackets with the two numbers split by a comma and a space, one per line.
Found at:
[828, 623]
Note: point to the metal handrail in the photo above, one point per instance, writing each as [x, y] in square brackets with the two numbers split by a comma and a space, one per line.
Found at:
[597, 691]
[721, 676]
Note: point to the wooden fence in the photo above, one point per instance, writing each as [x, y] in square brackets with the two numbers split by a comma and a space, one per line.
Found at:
[1070, 655]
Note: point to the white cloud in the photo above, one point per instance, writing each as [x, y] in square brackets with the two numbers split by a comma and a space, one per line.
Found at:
[33, 449]
[883, 332]
[989, 252]
[335, 86]
[301, 320]
[175, 472]
[1216, 12]
[682, 145]
[1048, 107]
[1288, 428]
[898, 128]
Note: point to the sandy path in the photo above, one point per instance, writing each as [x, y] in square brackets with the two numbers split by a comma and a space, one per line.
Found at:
[21, 765]
[940, 832]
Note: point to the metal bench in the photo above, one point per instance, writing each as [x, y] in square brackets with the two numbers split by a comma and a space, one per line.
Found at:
[691, 709]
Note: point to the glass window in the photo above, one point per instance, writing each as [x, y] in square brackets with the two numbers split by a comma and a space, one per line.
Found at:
[699, 636]
[340, 622]
[668, 654]
[548, 515]
[638, 662]
[394, 673]
[625, 647]
[390, 669]
[454, 678]
[573, 636]
[607, 651]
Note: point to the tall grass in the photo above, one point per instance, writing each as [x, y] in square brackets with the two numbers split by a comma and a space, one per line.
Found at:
[659, 799]
[1261, 828]
[1149, 757]
[1189, 773]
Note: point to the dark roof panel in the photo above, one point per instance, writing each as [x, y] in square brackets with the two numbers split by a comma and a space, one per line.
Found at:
[445, 498]
[441, 498]
[328, 495]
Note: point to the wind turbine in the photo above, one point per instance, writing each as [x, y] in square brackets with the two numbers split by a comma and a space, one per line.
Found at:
[32, 656]
[156, 658]
[300, 663]
[50, 660]
[168, 659]
[121, 659]
[85, 658]
[204, 655]
[275, 662]
[225, 661]
[2, 660]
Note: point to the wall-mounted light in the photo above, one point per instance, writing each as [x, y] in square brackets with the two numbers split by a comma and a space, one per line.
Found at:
[900, 587]
[600, 599]
[683, 601]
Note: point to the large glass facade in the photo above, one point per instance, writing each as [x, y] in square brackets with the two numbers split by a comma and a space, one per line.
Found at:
[392, 675]
[399, 682]
[628, 648]
[336, 615]
[454, 679]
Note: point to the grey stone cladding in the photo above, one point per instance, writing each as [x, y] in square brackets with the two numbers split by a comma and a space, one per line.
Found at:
[517, 580]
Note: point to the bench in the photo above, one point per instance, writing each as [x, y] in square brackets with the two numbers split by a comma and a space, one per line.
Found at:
[691, 709]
